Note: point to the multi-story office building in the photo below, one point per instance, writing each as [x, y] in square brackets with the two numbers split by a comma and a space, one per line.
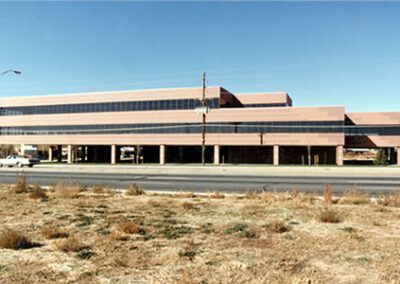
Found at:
[162, 124]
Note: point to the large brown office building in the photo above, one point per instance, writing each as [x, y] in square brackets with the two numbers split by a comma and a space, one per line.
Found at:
[240, 128]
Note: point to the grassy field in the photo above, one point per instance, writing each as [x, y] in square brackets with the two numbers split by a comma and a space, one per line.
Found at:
[72, 234]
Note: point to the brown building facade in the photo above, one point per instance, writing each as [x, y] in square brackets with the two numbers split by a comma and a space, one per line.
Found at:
[162, 127]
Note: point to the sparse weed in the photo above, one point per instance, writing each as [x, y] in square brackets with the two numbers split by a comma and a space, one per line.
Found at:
[134, 189]
[355, 197]
[63, 190]
[392, 200]
[278, 227]
[20, 186]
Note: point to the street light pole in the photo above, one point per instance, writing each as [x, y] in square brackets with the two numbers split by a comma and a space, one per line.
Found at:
[203, 124]
[203, 109]
[16, 72]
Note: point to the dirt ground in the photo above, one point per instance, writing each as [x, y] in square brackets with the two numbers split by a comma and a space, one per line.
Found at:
[78, 235]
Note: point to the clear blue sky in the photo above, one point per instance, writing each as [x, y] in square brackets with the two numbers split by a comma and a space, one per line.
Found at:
[320, 53]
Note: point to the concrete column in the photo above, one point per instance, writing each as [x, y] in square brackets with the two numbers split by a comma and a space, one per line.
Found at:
[50, 154]
[22, 150]
[69, 154]
[339, 155]
[113, 154]
[162, 154]
[276, 155]
[216, 154]
[398, 156]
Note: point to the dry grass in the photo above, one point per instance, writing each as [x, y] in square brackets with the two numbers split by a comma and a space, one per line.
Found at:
[217, 195]
[99, 189]
[392, 200]
[65, 190]
[70, 244]
[11, 239]
[38, 193]
[129, 227]
[329, 216]
[118, 236]
[188, 206]
[53, 232]
[263, 237]
[355, 196]
[278, 227]
[134, 189]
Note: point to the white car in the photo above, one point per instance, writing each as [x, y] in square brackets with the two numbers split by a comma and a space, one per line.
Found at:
[19, 161]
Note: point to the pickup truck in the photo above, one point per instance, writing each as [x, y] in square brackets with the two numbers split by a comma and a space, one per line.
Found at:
[19, 161]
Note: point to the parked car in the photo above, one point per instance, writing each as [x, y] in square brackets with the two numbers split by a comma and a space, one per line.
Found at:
[19, 161]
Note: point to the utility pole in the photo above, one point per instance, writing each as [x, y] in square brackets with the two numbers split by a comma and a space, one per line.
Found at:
[203, 124]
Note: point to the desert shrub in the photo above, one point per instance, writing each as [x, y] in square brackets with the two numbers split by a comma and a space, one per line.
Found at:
[251, 194]
[64, 190]
[118, 236]
[38, 193]
[188, 206]
[389, 199]
[98, 189]
[236, 228]
[70, 244]
[20, 186]
[355, 197]
[174, 232]
[183, 195]
[190, 254]
[329, 216]
[85, 254]
[134, 189]
[278, 227]
[84, 220]
[217, 195]
[248, 234]
[53, 232]
[11, 239]
[328, 194]
[130, 227]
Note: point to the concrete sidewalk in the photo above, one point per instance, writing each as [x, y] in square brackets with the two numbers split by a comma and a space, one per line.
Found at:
[253, 170]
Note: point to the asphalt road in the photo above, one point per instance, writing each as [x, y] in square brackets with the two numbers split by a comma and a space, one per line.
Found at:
[209, 183]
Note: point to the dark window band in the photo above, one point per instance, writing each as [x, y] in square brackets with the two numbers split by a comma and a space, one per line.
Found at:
[365, 130]
[108, 107]
[229, 127]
